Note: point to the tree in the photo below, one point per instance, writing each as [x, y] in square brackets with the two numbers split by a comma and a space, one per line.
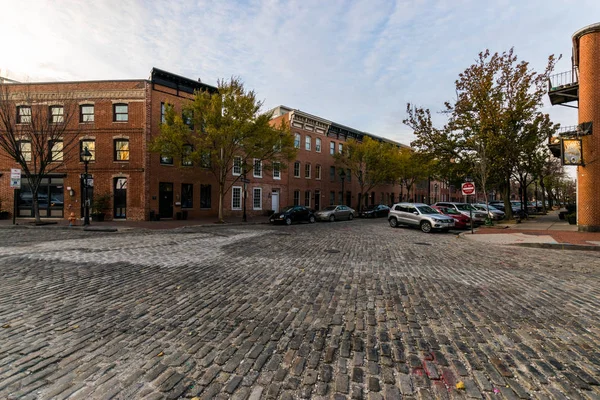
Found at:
[494, 121]
[370, 161]
[37, 132]
[218, 130]
[412, 167]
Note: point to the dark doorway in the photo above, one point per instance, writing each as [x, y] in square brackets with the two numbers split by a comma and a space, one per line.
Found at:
[165, 200]
[317, 199]
[120, 209]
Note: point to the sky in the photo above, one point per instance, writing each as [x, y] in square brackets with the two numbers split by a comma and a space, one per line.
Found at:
[357, 63]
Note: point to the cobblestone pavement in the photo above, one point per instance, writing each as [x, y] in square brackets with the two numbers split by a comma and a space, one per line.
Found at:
[327, 311]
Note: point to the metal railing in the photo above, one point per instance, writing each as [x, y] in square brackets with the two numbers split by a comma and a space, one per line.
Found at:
[563, 79]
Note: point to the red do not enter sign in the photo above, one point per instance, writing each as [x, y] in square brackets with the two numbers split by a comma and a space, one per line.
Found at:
[468, 188]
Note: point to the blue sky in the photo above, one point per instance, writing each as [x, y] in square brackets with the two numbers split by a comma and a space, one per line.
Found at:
[353, 62]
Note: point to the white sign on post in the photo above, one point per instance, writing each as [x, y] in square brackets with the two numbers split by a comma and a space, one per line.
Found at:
[468, 188]
[15, 178]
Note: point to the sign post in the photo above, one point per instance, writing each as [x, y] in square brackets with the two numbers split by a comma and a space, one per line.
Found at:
[15, 183]
[468, 189]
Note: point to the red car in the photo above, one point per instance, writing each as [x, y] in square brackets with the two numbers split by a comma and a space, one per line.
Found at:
[461, 221]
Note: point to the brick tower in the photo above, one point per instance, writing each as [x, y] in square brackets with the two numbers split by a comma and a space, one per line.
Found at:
[586, 59]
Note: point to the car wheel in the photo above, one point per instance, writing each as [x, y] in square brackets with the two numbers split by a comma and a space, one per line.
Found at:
[425, 226]
[350, 217]
[311, 219]
[288, 221]
[332, 218]
[393, 222]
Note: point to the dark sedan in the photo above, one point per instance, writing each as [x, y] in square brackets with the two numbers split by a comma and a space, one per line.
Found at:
[380, 210]
[291, 214]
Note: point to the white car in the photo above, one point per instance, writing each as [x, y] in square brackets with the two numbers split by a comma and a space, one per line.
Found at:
[494, 213]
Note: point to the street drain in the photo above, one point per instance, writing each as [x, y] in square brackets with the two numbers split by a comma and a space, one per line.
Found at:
[331, 251]
[423, 244]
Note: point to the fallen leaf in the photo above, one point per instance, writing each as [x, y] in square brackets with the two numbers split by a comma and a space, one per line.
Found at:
[5, 326]
[160, 354]
[460, 386]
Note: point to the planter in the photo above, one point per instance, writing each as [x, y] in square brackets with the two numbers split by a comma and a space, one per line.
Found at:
[572, 219]
[4, 214]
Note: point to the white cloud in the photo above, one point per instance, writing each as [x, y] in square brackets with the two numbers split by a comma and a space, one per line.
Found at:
[354, 62]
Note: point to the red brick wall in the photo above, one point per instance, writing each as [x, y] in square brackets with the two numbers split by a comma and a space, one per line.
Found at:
[588, 177]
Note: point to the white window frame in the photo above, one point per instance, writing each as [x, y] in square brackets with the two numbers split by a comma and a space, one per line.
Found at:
[235, 189]
[318, 172]
[56, 150]
[332, 148]
[307, 143]
[299, 167]
[297, 139]
[257, 170]
[318, 145]
[307, 169]
[237, 166]
[340, 148]
[276, 170]
[259, 198]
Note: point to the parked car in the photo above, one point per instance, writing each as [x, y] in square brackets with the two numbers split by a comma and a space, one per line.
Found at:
[466, 209]
[493, 213]
[517, 209]
[291, 214]
[460, 221]
[380, 210]
[332, 213]
[419, 215]
[499, 204]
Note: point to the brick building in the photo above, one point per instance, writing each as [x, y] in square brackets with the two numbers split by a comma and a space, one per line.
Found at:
[118, 119]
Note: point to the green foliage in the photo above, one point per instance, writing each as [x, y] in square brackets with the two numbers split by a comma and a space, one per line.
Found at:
[220, 127]
[101, 203]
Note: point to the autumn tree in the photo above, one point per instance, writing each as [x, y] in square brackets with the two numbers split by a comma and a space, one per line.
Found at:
[494, 121]
[410, 168]
[38, 130]
[370, 161]
[218, 130]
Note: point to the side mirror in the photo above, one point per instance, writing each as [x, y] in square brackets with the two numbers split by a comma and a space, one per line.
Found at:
[416, 212]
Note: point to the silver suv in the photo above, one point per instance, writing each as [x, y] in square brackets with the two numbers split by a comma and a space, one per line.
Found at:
[419, 215]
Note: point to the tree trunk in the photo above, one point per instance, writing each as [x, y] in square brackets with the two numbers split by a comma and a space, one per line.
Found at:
[221, 196]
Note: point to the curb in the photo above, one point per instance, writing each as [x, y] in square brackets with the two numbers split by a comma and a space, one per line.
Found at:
[558, 246]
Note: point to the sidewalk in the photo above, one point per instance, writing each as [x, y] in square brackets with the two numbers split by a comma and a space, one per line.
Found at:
[113, 226]
[546, 231]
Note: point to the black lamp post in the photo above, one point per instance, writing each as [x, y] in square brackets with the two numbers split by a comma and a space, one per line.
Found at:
[342, 177]
[435, 192]
[244, 219]
[86, 156]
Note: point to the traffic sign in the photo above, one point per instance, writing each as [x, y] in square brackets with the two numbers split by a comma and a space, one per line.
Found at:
[468, 188]
[15, 178]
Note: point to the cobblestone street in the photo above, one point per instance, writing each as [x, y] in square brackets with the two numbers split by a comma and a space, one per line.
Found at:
[326, 311]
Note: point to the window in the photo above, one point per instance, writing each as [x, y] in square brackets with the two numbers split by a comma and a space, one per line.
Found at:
[236, 198]
[237, 166]
[86, 113]
[307, 198]
[166, 160]
[332, 174]
[348, 175]
[188, 118]
[340, 148]
[122, 150]
[56, 150]
[257, 172]
[297, 140]
[331, 198]
[163, 113]
[297, 169]
[91, 146]
[307, 143]
[187, 195]
[25, 149]
[296, 197]
[307, 171]
[23, 115]
[57, 114]
[186, 161]
[120, 112]
[257, 199]
[276, 170]
[317, 172]
[318, 145]
[205, 161]
[341, 196]
[205, 196]
[332, 148]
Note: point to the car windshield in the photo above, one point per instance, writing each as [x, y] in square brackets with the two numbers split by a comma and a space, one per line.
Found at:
[329, 208]
[465, 207]
[286, 209]
[451, 211]
[427, 210]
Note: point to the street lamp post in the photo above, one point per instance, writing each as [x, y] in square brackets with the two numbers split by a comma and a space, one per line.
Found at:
[342, 177]
[86, 156]
[244, 219]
